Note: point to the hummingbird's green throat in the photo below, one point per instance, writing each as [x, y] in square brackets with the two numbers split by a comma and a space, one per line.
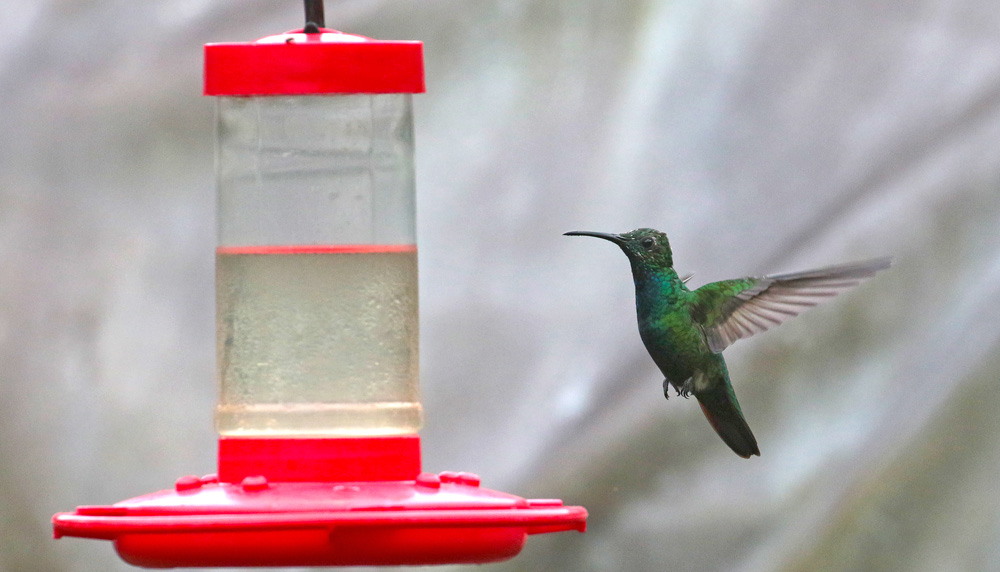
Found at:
[685, 331]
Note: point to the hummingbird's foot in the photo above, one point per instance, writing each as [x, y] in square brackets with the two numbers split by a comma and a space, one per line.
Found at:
[666, 388]
[686, 388]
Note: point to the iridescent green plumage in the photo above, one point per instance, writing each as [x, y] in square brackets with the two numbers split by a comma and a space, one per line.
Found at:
[685, 331]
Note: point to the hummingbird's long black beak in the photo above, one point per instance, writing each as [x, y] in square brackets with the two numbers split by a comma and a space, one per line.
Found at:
[606, 236]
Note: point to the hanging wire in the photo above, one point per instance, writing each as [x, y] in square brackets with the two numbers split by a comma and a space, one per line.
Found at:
[314, 17]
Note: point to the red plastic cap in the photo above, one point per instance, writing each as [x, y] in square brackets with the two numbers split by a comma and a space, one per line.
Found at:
[295, 63]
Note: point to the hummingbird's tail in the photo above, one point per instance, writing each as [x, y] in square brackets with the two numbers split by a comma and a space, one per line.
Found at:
[719, 404]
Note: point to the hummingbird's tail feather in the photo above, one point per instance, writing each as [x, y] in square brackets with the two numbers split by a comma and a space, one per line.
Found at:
[723, 412]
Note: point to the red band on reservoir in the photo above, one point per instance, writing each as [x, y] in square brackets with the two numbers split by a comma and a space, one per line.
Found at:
[319, 249]
[394, 458]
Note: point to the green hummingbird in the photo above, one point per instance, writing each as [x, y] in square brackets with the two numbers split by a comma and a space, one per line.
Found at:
[685, 331]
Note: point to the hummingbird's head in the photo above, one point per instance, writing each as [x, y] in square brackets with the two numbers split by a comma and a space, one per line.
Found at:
[646, 248]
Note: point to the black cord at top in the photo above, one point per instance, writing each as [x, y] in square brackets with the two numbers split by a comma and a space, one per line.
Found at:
[314, 17]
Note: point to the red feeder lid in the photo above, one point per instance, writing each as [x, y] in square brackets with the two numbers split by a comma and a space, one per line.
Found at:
[297, 63]
[320, 502]
[434, 519]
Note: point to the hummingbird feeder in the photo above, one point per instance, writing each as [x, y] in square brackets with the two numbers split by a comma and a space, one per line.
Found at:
[316, 334]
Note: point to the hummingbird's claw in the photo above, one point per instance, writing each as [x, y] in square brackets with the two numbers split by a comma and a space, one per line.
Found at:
[686, 388]
[666, 388]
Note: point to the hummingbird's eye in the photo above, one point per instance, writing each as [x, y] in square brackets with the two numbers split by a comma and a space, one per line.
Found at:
[647, 242]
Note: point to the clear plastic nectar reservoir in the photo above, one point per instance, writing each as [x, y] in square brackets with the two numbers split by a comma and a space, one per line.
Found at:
[316, 266]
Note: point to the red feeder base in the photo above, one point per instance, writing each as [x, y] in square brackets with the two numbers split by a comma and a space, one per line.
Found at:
[428, 519]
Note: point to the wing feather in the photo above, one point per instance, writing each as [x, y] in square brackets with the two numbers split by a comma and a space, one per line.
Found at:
[731, 310]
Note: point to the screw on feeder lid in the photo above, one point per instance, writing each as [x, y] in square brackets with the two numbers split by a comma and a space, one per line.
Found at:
[313, 60]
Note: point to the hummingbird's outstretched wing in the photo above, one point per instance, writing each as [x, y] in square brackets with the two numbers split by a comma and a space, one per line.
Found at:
[731, 310]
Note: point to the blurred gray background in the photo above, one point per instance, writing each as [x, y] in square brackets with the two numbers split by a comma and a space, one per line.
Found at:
[761, 136]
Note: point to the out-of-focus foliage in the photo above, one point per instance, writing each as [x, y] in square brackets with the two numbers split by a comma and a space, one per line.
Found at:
[761, 136]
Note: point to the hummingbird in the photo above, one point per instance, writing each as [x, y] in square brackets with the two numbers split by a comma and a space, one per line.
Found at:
[685, 330]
